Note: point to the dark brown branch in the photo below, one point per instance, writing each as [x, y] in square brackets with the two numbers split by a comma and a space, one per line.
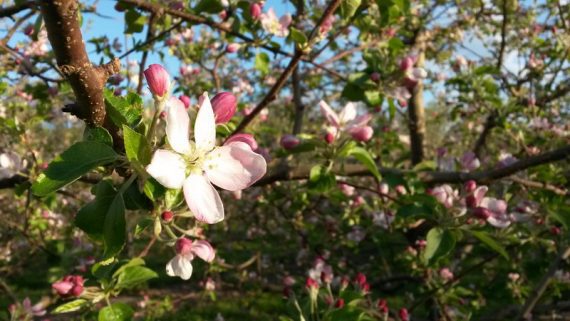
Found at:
[416, 116]
[534, 184]
[151, 40]
[428, 177]
[149, 35]
[86, 80]
[272, 94]
[490, 123]
[12, 10]
[503, 36]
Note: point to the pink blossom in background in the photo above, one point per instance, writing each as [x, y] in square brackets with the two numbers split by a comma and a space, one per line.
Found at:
[445, 194]
[273, 25]
[469, 161]
[186, 250]
[347, 120]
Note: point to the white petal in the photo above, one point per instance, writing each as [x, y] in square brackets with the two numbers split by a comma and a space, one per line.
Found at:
[168, 168]
[204, 250]
[203, 199]
[329, 114]
[234, 167]
[180, 266]
[177, 122]
[205, 126]
[348, 113]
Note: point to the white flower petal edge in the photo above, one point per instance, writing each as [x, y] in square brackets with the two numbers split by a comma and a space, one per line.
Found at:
[180, 266]
[177, 125]
[347, 114]
[203, 199]
[205, 126]
[168, 168]
[329, 114]
[234, 167]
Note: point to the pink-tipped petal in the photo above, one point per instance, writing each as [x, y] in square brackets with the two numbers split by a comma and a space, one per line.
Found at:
[203, 199]
[168, 168]
[244, 138]
[329, 114]
[234, 167]
[177, 124]
[205, 126]
[203, 250]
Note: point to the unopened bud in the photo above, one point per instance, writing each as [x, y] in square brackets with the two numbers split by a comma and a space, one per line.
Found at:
[224, 105]
[167, 216]
[158, 80]
[289, 141]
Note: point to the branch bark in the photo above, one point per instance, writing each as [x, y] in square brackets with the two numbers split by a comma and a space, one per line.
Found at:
[87, 81]
[416, 114]
[12, 10]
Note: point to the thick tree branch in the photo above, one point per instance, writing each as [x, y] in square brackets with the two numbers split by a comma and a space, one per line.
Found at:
[490, 123]
[86, 80]
[416, 115]
[12, 10]
[429, 177]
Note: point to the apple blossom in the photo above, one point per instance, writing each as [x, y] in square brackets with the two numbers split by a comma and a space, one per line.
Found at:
[445, 194]
[278, 27]
[233, 47]
[348, 121]
[194, 166]
[186, 250]
[70, 285]
[185, 100]
[469, 161]
[255, 10]
[493, 210]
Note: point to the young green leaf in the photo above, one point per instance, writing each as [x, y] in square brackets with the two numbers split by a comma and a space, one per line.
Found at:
[97, 134]
[134, 275]
[114, 228]
[440, 242]
[490, 242]
[136, 146]
[78, 160]
[91, 217]
[116, 312]
[363, 156]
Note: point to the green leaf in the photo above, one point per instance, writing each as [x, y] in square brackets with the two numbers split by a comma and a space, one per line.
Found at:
[490, 242]
[91, 217]
[135, 199]
[97, 134]
[321, 179]
[373, 98]
[209, 6]
[116, 312]
[262, 63]
[114, 228]
[134, 21]
[363, 156]
[348, 8]
[439, 243]
[134, 275]
[298, 36]
[136, 146]
[78, 160]
[561, 213]
[173, 198]
[153, 189]
[124, 110]
[70, 306]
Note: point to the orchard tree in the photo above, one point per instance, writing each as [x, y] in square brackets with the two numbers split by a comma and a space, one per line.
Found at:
[296, 160]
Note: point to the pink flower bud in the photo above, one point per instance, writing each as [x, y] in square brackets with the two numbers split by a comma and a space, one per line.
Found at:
[244, 138]
[224, 105]
[362, 134]
[470, 186]
[29, 30]
[390, 32]
[223, 14]
[555, 230]
[375, 76]
[329, 137]
[482, 213]
[70, 285]
[289, 141]
[382, 306]
[384, 189]
[404, 316]
[183, 246]
[255, 11]
[360, 279]
[185, 100]
[326, 277]
[167, 216]
[288, 281]
[446, 274]
[158, 80]
[420, 244]
[233, 47]
[339, 304]
[406, 63]
[311, 284]
[400, 189]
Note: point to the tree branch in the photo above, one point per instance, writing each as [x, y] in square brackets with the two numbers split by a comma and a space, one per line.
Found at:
[272, 94]
[416, 115]
[538, 291]
[87, 81]
[12, 10]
